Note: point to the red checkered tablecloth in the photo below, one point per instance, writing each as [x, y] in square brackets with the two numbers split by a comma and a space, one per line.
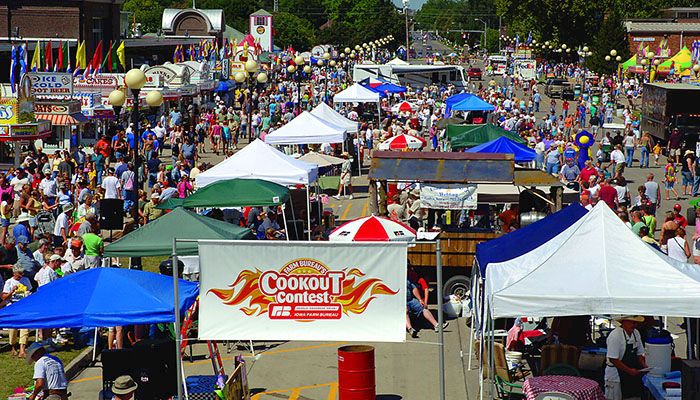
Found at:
[578, 388]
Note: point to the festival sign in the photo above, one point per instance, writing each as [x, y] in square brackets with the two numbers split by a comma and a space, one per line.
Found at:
[51, 84]
[266, 290]
[13, 111]
[448, 196]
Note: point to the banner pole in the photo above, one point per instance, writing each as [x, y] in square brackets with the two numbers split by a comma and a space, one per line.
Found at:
[178, 338]
[441, 318]
[308, 211]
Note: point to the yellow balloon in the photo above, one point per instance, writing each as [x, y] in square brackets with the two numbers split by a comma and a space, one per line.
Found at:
[584, 139]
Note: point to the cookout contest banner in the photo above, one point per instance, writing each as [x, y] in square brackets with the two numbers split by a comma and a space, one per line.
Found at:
[267, 290]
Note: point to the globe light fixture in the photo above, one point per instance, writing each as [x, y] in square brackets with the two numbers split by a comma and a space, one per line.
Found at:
[154, 98]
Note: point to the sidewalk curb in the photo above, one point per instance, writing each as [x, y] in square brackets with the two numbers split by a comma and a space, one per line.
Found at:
[76, 365]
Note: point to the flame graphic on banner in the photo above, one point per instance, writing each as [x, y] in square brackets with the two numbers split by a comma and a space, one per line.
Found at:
[351, 299]
[250, 289]
[354, 289]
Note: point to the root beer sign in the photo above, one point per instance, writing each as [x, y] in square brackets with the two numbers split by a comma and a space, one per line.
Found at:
[300, 292]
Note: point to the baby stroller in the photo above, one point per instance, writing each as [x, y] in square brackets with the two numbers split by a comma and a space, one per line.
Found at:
[45, 223]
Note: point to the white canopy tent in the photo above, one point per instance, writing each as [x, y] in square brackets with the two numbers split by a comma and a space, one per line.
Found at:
[261, 161]
[327, 114]
[307, 128]
[597, 266]
[356, 94]
[360, 94]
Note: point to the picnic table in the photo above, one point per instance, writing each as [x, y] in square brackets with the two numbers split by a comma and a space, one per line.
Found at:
[577, 387]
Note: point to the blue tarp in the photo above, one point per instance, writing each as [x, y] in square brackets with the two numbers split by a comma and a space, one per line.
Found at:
[100, 297]
[502, 144]
[466, 102]
[526, 239]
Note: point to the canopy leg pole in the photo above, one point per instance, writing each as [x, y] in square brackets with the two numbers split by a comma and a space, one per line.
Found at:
[471, 312]
[291, 205]
[492, 366]
[284, 218]
[482, 347]
[176, 308]
[94, 346]
[359, 155]
[441, 317]
[308, 211]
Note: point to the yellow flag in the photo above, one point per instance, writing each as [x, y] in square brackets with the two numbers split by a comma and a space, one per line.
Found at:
[121, 55]
[36, 58]
[80, 56]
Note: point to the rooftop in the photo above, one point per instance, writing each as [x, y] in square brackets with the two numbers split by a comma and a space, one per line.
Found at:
[662, 27]
[676, 86]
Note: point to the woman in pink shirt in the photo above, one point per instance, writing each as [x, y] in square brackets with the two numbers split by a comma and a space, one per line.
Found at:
[184, 187]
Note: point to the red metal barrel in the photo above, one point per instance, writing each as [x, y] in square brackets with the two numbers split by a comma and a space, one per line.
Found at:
[356, 373]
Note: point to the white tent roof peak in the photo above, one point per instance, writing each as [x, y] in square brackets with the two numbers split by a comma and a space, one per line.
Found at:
[260, 161]
[596, 266]
[306, 128]
[328, 114]
[356, 94]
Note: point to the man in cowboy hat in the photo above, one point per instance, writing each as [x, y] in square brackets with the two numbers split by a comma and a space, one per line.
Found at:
[49, 375]
[625, 360]
[124, 388]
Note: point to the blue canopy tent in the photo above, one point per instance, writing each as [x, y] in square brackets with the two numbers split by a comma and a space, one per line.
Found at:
[526, 239]
[100, 297]
[466, 102]
[522, 153]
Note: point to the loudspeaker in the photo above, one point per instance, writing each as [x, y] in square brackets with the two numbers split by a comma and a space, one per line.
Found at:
[110, 213]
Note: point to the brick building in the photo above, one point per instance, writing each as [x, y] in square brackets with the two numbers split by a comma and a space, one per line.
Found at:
[680, 26]
[89, 20]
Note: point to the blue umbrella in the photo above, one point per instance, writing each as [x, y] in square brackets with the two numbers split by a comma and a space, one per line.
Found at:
[100, 297]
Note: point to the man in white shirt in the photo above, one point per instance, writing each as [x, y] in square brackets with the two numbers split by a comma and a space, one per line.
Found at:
[49, 375]
[48, 187]
[15, 289]
[21, 178]
[617, 158]
[47, 273]
[62, 226]
[625, 360]
[111, 186]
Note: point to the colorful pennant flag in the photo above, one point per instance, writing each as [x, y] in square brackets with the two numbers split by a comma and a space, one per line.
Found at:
[121, 55]
[36, 58]
[48, 57]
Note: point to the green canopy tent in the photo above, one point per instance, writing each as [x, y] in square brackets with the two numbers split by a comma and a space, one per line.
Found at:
[170, 204]
[156, 238]
[238, 193]
[462, 136]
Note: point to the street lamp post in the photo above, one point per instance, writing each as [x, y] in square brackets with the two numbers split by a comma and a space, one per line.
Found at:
[405, 11]
[485, 26]
[250, 78]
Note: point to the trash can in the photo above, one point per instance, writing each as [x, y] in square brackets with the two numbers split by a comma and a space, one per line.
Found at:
[356, 379]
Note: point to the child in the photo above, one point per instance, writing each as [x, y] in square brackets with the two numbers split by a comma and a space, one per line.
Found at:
[657, 153]
[670, 178]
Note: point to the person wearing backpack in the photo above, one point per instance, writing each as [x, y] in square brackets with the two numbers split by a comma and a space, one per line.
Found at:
[128, 180]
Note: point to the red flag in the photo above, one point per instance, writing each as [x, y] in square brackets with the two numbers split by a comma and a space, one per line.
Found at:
[109, 57]
[59, 60]
[96, 61]
[48, 58]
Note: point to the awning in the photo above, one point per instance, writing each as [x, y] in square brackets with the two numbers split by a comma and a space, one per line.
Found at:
[63, 120]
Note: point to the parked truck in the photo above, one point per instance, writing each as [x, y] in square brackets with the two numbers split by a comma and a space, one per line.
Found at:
[666, 106]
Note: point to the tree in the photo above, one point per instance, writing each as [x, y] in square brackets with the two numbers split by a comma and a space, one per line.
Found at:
[611, 36]
[295, 31]
[149, 13]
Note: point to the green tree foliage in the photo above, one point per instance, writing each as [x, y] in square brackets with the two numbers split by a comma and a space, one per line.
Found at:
[298, 22]
[611, 36]
[293, 30]
[148, 13]
[450, 17]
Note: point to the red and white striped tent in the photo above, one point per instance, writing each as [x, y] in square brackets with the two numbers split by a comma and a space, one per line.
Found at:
[401, 142]
[372, 229]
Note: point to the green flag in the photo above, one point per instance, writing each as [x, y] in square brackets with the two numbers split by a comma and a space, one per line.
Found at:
[114, 58]
[105, 61]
